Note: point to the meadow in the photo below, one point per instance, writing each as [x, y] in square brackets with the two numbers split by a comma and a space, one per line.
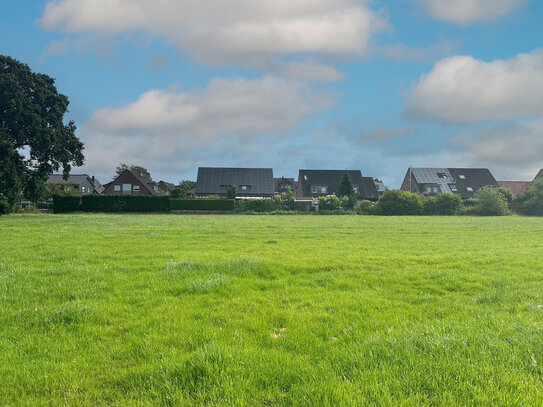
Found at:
[147, 310]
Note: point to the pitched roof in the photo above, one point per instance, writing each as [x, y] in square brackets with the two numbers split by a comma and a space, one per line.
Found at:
[76, 179]
[539, 174]
[440, 176]
[146, 182]
[332, 179]
[469, 180]
[215, 180]
[516, 187]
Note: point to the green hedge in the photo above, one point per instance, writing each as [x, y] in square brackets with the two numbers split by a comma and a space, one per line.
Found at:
[66, 203]
[124, 203]
[223, 205]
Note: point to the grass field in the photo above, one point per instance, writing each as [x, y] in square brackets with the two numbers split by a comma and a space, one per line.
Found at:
[270, 310]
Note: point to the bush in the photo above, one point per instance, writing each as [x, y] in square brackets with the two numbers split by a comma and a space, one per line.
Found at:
[531, 201]
[489, 201]
[261, 205]
[447, 204]
[5, 208]
[365, 208]
[329, 203]
[66, 203]
[124, 203]
[223, 205]
[400, 203]
[507, 195]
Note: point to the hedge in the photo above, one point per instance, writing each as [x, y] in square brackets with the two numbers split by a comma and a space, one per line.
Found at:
[124, 203]
[223, 205]
[66, 203]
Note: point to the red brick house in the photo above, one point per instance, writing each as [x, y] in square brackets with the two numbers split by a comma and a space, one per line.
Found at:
[130, 183]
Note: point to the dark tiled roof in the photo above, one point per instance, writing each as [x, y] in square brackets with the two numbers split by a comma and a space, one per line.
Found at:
[332, 179]
[539, 174]
[474, 178]
[146, 182]
[213, 181]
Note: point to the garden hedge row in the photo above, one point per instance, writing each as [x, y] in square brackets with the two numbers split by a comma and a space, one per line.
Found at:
[136, 203]
[223, 205]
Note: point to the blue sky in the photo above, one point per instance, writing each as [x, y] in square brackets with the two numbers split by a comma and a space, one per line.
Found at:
[370, 85]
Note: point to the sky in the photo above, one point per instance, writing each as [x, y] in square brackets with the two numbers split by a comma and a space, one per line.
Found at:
[289, 84]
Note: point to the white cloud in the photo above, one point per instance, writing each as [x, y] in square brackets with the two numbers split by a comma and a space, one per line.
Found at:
[515, 149]
[470, 11]
[226, 32]
[167, 126]
[463, 90]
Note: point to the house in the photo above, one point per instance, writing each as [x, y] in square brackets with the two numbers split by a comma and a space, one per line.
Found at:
[82, 183]
[462, 181]
[249, 182]
[539, 174]
[284, 184]
[380, 185]
[165, 188]
[129, 182]
[516, 187]
[315, 183]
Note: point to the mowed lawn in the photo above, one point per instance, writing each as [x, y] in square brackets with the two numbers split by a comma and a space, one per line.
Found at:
[137, 310]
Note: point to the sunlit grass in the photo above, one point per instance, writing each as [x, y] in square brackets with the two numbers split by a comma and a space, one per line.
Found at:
[270, 310]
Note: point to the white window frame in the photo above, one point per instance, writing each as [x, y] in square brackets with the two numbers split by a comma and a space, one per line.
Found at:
[469, 189]
[117, 188]
[136, 188]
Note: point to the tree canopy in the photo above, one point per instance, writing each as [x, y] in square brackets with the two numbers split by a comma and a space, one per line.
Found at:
[181, 190]
[34, 140]
[135, 168]
[346, 185]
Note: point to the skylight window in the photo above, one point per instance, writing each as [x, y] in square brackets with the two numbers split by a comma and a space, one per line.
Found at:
[470, 189]
[462, 176]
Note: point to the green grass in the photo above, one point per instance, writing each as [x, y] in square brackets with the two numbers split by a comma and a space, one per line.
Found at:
[269, 310]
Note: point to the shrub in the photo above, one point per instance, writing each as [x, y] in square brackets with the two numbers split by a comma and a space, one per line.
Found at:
[508, 195]
[400, 203]
[66, 203]
[365, 208]
[531, 201]
[329, 203]
[448, 204]
[222, 205]
[4, 207]
[124, 203]
[430, 205]
[261, 205]
[489, 201]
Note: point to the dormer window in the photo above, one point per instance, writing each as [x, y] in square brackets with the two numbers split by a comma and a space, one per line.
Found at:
[462, 176]
[442, 175]
[319, 189]
[469, 189]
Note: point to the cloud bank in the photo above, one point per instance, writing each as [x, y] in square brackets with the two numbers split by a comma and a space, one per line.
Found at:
[464, 90]
[470, 11]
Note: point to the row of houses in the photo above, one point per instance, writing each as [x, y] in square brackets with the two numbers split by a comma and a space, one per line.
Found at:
[260, 183]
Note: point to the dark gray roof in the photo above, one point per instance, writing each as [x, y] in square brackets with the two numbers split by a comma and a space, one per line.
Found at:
[466, 180]
[332, 179]
[539, 174]
[215, 181]
[77, 179]
[469, 180]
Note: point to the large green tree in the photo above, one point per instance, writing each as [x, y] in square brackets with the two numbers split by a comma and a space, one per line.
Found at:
[181, 190]
[34, 139]
[346, 185]
[138, 169]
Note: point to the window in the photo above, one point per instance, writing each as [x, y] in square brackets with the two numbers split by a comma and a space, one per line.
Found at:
[127, 189]
[245, 187]
[136, 187]
[117, 188]
[441, 175]
[355, 189]
[83, 189]
[284, 186]
[453, 188]
[469, 189]
[319, 189]
[432, 189]
[462, 176]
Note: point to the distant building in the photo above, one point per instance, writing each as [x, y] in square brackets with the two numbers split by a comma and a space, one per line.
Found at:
[516, 187]
[315, 183]
[539, 174]
[129, 182]
[284, 184]
[462, 181]
[249, 182]
[381, 188]
[81, 183]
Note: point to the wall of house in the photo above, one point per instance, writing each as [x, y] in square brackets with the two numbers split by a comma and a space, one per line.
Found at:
[126, 178]
[414, 186]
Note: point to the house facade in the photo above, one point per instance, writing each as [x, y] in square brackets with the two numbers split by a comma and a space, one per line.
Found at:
[315, 183]
[130, 183]
[249, 182]
[461, 181]
[284, 184]
[83, 184]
